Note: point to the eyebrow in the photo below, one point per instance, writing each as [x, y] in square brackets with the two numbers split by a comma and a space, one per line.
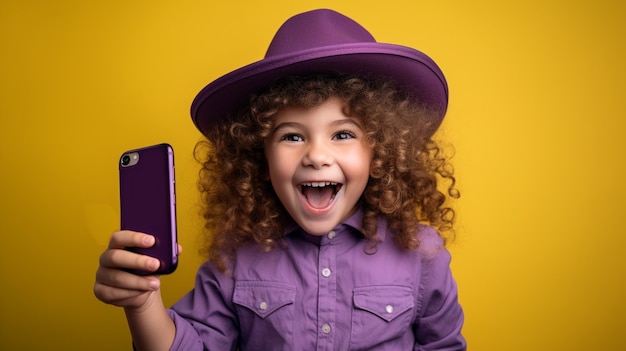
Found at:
[352, 121]
[335, 123]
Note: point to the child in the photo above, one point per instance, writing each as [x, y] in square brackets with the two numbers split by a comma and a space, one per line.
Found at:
[320, 189]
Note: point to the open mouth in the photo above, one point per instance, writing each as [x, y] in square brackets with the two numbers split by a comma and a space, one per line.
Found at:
[320, 195]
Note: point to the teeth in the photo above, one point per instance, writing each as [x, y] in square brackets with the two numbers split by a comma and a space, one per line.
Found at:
[319, 184]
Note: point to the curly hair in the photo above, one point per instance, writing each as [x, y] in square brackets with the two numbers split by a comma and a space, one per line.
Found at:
[239, 203]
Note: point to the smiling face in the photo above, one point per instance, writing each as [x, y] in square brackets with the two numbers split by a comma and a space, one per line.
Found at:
[318, 164]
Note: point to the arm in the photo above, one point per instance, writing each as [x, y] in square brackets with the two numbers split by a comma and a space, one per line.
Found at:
[438, 327]
[205, 318]
[150, 326]
[149, 323]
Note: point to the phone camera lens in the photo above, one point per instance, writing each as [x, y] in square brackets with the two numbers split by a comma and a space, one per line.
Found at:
[125, 160]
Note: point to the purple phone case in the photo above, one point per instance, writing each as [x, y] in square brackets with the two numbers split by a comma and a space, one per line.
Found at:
[148, 201]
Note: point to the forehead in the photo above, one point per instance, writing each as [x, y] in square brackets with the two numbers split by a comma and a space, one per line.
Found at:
[332, 110]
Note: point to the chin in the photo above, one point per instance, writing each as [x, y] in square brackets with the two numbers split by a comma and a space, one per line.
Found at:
[318, 229]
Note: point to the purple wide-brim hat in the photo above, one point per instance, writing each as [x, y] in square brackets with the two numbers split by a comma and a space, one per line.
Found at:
[325, 41]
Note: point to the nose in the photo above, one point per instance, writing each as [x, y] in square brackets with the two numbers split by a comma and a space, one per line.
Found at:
[317, 155]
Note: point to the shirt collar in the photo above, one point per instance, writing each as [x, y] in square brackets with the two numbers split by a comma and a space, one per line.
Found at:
[353, 222]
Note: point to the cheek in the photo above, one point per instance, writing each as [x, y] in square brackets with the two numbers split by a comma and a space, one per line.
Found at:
[279, 168]
[357, 164]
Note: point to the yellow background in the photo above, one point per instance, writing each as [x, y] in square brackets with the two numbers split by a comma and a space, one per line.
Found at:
[536, 115]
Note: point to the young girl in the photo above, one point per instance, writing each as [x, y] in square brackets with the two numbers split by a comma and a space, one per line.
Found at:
[320, 187]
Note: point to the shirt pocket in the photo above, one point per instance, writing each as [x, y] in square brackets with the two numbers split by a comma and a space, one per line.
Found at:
[381, 314]
[266, 313]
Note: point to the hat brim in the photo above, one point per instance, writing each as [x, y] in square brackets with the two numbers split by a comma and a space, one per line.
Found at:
[411, 70]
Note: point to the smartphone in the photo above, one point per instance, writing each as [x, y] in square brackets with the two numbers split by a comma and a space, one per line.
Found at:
[148, 202]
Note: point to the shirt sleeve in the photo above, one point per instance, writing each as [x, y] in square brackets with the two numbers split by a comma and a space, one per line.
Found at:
[205, 318]
[438, 328]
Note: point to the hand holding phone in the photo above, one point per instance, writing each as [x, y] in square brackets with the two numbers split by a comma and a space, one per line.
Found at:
[148, 202]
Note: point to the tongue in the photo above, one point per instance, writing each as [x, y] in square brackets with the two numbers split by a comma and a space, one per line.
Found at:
[319, 197]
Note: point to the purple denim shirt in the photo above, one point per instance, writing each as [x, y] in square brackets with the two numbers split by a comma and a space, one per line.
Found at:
[326, 293]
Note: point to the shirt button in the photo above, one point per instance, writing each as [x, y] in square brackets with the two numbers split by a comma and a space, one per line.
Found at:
[326, 328]
[263, 306]
[332, 234]
[326, 272]
[389, 309]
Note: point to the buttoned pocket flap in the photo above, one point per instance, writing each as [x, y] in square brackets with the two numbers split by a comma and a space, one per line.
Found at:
[263, 297]
[386, 302]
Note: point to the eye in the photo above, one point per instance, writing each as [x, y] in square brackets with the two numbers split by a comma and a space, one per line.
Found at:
[344, 134]
[292, 137]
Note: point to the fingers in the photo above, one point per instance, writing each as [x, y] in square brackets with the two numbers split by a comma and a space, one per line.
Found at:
[125, 283]
[117, 257]
[127, 238]
[124, 289]
[114, 284]
[125, 280]
[124, 259]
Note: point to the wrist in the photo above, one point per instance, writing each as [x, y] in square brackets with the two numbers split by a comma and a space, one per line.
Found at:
[153, 301]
